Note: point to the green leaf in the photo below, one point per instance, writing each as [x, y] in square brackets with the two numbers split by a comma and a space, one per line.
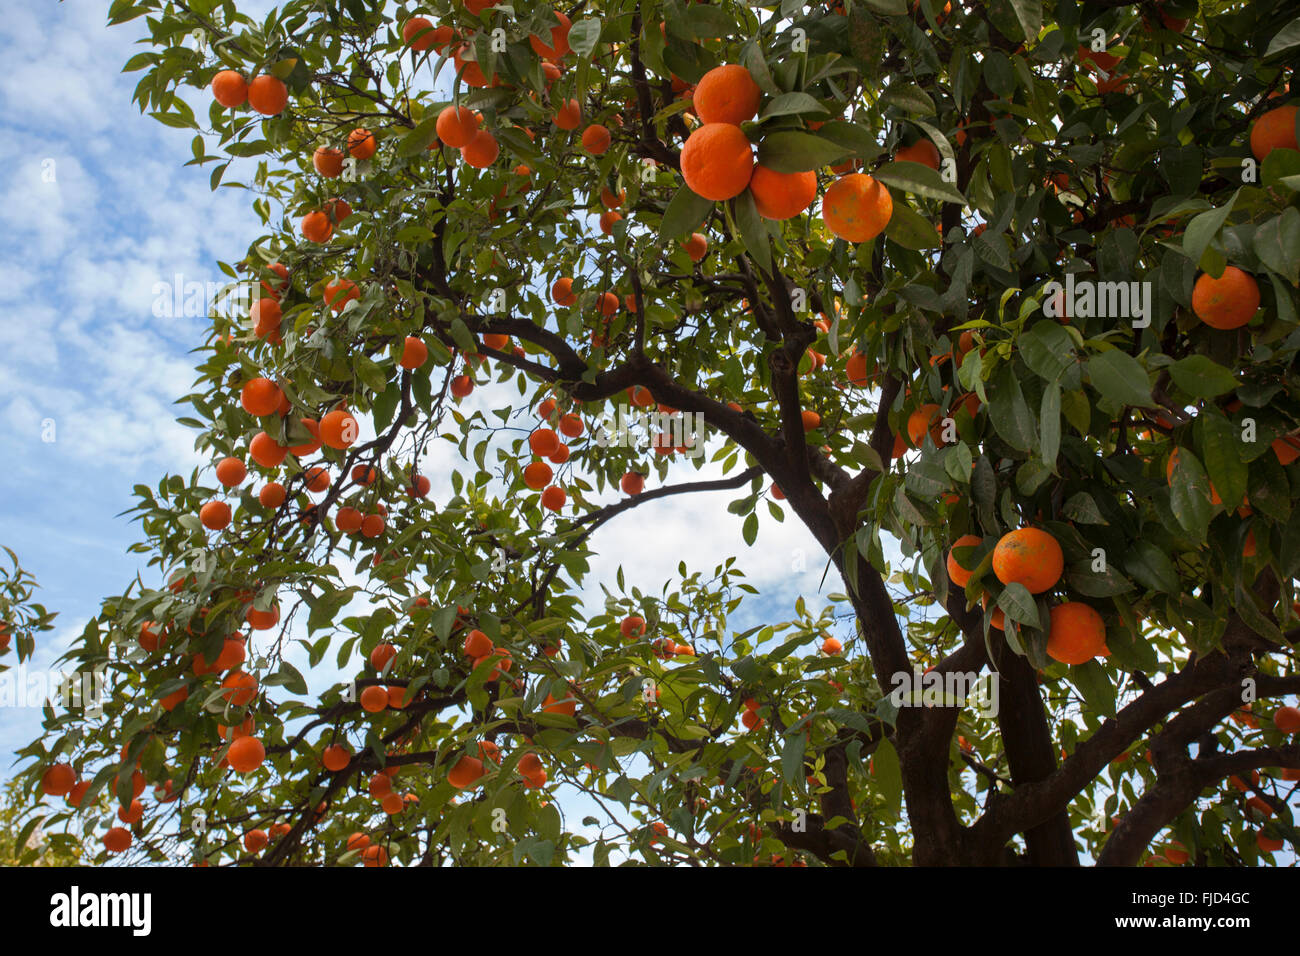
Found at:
[1203, 228]
[1019, 605]
[750, 530]
[1151, 567]
[1218, 440]
[685, 211]
[584, 35]
[911, 230]
[788, 104]
[908, 97]
[918, 180]
[1284, 39]
[1202, 377]
[885, 772]
[1094, 684]
[1047, 349]
[889, 8]
[1189, 495]
[792, 758]
[1009, 412]
[1049, 425]
[1082, 509]
[792, 151]
[753, 230]
[1120, 379]
[1277, 243]
[419, 138]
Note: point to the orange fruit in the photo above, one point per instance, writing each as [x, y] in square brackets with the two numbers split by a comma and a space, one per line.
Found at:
[117, 840]
[382, 655]
[1274, 130]
[481, 151]
[361, 143]
[215, 515]
[553, 498]
[336, 757]
[478, 644]
[414, 33]
[260, 396]
[543, 442]
[632, 626]
[328, 161]
[316, 227]
[58, 780]
[595, 139]
[465, 772]
[262, 620]
[1029, 556]
[338, 429]
[717, 161]
[231, 471]
[1228, 302]
[1287, 448]
[340, 292]
[569, 115]
[456, 126]
[1286, 720]
[559, 45]
[375, 856]
[697, 247]
[922, 151]
[831, 646]
[537, 475]
[374, 699]
[229, 89]
[782, 195]
[240, 688]
[924, 419]
[810, 419]
[461, 386]
[609, 200]
[632, 483]
[960, 576]
[316, 478]
[414, 353]
[856, 208]
[246, 754]
[562, 291]
[856, 369]
[348, 520]
[267, 95]
[726, 94]
[1078, 633]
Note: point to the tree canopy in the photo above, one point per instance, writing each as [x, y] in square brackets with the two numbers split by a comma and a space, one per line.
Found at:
[998, 300]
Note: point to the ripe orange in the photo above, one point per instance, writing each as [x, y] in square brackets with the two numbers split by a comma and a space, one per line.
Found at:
[559, 45]
[338, 429]
[260, 396]
[726, 94]
[856, 370]
[782, 195]
[414, 353]
[810, 419]
[246, 754]
[924, 419]
[456, 126]
[215, 515]
[255, 840]
[562, 291]
[374, 699]
[922, 151]
[316, 227]
[1274, 130]
[477, 644]
[569, 115]
[240, 688]
[543, 442]
[553, 498]
[696, 246]
[856, 208]
[465, 772]
[1286, 720]
[372, 526]
[1029, 556]
[375, 856]
[609, 200]
[1078, 633]
[58, 780]
[1228, 302]
[348, 520]
[461, 386]
[960, 575]
[717, 161]
[361, 143]
[607, 219]
[316, 478]
[595, 139]
[481, 151]
[267, 95]
[262, 620]
[537, 475]
[381, 655]
[632, 626]
[831, 646]
[340, 292]
[632, 483]
[414, 33]
[328, 161]
[231, 471]
[117, 840]
[229, 89]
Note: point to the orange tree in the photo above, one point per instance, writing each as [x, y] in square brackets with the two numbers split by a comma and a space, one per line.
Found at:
[1011, 287]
